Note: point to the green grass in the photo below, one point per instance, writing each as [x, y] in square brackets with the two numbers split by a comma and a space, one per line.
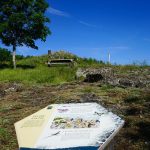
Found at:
[34, 69]
[4, 135]
[40, 74]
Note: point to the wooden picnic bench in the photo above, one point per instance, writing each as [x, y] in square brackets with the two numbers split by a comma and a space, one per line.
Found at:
[54, 62]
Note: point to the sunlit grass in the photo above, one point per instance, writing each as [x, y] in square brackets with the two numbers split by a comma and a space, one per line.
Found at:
[34, 70]
[41, 74]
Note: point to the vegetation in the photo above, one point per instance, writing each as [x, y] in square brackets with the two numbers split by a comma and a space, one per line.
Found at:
[5, 55]
[33, 69]
[5, 58]
[41, 74]
[132, 104]
[34, 85]
[22, 23]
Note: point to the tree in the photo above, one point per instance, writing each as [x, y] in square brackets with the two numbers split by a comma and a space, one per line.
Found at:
[5, 55]
[22, 22]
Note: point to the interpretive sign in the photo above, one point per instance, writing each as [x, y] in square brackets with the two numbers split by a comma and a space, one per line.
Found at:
[68, 126]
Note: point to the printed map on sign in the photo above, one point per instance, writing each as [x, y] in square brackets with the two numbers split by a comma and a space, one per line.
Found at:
[78, 125]
[68, 126]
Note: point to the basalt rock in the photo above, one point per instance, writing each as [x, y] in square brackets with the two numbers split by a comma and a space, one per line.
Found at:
[13, 87]
[94, 75]
[2, 93]
[107, 75]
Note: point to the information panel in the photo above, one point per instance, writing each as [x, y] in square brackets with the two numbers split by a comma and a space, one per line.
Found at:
[68, 126]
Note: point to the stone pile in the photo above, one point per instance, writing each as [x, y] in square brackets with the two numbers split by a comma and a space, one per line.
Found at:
[108, 76]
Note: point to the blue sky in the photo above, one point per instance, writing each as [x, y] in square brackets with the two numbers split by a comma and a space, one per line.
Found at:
[92, 28]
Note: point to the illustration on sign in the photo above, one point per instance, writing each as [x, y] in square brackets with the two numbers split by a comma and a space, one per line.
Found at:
[72, 126]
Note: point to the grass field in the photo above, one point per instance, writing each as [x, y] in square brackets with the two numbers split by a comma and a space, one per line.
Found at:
[33, 70]
[34, 85]
[40, 74]
[132, 104]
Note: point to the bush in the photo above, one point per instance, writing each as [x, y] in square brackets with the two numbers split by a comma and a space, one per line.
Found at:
[19, 57]
[5, 55]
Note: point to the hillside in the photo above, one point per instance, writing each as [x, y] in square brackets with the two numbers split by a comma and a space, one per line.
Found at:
[33, 69]
[124, 90]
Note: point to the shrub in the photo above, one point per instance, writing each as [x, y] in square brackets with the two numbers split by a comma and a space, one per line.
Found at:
[5, 55]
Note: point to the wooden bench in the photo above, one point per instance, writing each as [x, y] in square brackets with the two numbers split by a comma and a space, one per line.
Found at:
[55, 62]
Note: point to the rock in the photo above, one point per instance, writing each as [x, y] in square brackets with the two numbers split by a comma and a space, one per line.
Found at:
[133, 82]
[81, 73]
[113, 81]
[125, 82]
[106, 75]
[94, 75]
[2, 93]
[13, 88]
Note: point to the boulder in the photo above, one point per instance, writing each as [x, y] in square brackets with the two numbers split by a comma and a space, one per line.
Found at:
[81, 73]
[13, 87]
[94, 75]
[106, 75]
[125, 82]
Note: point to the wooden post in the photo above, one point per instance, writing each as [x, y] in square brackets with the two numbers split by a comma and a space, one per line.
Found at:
[49, 55]
[49, 52]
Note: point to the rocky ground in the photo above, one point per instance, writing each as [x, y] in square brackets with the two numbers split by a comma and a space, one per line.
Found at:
[119, 93]
[139, 78]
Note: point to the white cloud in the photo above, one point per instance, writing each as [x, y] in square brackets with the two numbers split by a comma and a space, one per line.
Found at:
[86, 24]
[57, 12]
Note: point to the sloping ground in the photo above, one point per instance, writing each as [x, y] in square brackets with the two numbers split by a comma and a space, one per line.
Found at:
[132, 104]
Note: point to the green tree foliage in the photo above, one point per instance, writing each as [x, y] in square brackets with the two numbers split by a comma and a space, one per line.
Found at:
[22, 22]
[19, 57]
[5, 55]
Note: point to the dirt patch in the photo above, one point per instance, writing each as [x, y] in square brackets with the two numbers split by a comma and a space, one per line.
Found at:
[132, 104]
